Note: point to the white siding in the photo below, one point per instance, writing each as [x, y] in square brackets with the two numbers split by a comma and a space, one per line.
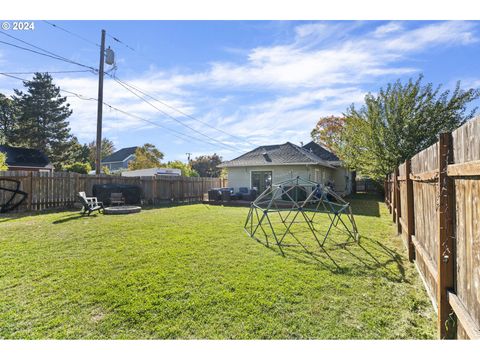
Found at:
[240, 176]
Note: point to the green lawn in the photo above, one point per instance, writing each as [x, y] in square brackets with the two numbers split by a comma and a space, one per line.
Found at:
[192, 272]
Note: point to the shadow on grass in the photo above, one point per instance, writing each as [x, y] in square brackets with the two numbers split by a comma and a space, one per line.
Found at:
[365, 204]
[74, 217]
[368, 257]
[19, 215]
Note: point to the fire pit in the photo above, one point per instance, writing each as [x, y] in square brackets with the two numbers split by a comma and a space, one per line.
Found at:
[118, 210]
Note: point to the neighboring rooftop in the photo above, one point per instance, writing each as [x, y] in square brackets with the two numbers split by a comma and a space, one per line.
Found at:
[120, 155]
[25, 157]
[320, 151]
[284, 154]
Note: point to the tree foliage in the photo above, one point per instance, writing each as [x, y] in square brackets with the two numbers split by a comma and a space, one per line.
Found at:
[185, 168]
[41, 119]
[327, 131]
[3, 162]
[395, 124]
[8, 117]
[206, 165]
[108, 148]
[79, 167]
[147, 156]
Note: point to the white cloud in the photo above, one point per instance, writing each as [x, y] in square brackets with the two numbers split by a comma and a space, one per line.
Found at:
[319, 71]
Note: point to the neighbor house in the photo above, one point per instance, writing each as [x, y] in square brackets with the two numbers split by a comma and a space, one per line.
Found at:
[26, 159]
[120, 159]
[272, 164]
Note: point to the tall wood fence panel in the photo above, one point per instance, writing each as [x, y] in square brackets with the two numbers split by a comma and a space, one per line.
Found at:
[59, 190]
[466, 177]
[425, 208]
[435, 201]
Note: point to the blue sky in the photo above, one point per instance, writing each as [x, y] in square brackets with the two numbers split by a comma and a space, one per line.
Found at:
[265, 82]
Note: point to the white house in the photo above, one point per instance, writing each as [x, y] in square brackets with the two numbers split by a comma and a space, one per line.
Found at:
[272, 164]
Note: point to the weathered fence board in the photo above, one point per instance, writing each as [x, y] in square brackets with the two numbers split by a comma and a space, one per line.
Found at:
[59, 189]
[466, 149]
[444, 209]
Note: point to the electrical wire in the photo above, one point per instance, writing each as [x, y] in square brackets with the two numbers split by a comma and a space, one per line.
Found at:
[121, 42]
[176, 133]
[225, 145]
[46, 71]
[70, 32]
[44, 53]
[129, 88]
[183, 113]
[151, 97]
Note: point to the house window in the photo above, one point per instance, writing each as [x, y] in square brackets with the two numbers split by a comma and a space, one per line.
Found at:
[261, 180]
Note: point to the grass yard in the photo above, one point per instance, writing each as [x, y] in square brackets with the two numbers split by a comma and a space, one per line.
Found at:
[191, 272]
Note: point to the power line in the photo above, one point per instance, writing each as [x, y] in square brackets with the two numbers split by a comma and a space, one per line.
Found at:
[120, 42]
[176, 133]
[127, 87]
[174, 118]
[184, 114]
[70, 32]
[44, 51]
[46, 71]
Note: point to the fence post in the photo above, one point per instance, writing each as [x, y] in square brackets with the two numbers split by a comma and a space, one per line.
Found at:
[30, 190]
[398, 205]
[393, 192]
[446, 251]
[410, 211]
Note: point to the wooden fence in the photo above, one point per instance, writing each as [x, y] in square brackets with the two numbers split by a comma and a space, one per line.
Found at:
[59, 189]
[434, 199]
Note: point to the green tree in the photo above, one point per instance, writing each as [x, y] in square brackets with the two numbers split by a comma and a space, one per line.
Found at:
[8, 123]
[186, 169]
[3, 162]
[397, 123]
[105, 170]
[42, 119]
[79, 167]
[327, 131]
[206, 165]
[147, 156]
[108, 148]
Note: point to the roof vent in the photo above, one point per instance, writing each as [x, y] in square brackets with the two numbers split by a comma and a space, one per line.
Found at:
[266, 156]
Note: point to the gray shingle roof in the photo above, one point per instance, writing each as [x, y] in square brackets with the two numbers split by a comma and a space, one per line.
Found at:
[18, 156]
[321, 152]
[120, 155]
[284, 154]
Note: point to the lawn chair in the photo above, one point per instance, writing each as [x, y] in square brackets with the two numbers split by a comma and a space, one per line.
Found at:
[90, 204]
[117, 199]
[90, 199]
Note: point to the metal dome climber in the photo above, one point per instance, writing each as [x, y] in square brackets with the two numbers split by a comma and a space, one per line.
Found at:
[288, 210]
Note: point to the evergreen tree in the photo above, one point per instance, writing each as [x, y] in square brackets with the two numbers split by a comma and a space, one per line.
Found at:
[8, 124]
[42, 119]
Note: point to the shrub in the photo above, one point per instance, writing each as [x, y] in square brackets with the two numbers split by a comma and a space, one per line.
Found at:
[79, 167]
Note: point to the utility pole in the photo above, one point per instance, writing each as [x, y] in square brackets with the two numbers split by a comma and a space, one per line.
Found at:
[188, 156]
[100, 105]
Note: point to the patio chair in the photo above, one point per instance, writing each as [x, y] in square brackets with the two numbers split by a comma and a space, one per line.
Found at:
[117, 199]
[90, 199]
[89, 204]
